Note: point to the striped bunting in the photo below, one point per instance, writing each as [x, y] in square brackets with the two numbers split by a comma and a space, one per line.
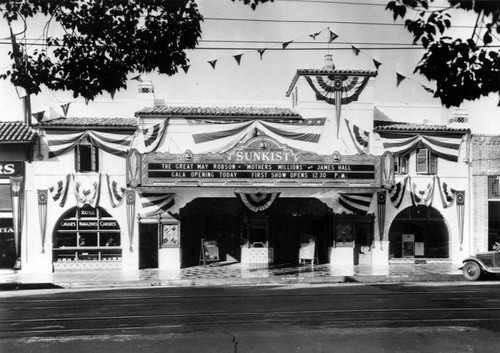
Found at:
[446, 145]
[258, 202]
[116, 143]
[155, 204]
[359, 137]
[116, 194]
[325, 88]
[446, 193]
[398, 192]
[60, 191]
[224, 135]
[152, 136]
[356, 203]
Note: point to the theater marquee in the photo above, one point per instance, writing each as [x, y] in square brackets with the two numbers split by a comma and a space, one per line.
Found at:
[261, 161]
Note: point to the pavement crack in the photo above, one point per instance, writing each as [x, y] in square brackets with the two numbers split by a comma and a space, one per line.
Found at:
[235, 342]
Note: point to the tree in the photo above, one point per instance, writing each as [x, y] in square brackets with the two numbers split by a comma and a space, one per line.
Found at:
[463, 69]
[103, 42]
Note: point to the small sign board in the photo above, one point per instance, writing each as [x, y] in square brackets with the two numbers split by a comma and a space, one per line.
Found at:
[209, 252]
[170, 236]
[307, 249]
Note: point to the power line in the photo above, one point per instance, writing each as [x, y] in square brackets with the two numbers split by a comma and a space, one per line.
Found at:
[316, 21]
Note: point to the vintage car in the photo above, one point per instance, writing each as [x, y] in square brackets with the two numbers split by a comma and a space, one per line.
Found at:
[482, 263]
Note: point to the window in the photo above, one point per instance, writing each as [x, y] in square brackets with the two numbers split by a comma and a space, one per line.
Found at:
[401, 164]
[87, 234]
[493, 210]
[5, 199]
[86, 157]
[426, 162]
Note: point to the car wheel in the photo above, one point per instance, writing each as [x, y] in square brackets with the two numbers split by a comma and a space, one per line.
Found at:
[472, 271]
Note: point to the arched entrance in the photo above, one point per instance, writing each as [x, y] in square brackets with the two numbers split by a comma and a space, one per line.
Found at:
[228, 221]
[418, 231]
[86, 234]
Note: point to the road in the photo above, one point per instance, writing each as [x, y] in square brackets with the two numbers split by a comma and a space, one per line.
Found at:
[432, 317]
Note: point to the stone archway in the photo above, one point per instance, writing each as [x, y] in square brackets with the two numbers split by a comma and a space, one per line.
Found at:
[426, 226]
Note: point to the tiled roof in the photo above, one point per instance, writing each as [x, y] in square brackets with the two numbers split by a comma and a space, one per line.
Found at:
[16, 132]
[419, 127]
[90, 122]
[197, 112]
[307, 72]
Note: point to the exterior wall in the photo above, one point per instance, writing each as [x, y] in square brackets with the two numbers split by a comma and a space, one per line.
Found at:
[485, 162]
[45, 174]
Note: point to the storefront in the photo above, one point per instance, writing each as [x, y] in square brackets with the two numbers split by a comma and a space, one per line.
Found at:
[16, 147]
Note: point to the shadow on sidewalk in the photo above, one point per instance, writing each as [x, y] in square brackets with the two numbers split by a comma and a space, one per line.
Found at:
[27, 286]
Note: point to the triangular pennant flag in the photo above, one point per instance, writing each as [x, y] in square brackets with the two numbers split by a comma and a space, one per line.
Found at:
[185, 68]
[112, 94]
[332, 37]
[65, 108]
[212, 63]
[355, 50]
[399, 78]
[314, 35]
[430, 90]
[238, 58]
[138, 78]
[376, 63]
[286, 44]
[261, 52]
[39, 116]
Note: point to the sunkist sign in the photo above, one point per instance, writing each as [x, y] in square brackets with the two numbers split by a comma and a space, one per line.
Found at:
[261, 161]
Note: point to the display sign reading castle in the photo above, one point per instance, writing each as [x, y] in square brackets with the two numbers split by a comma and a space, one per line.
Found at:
[261, 161]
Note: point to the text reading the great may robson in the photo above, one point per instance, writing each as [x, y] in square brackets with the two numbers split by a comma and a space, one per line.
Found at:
[259, 171]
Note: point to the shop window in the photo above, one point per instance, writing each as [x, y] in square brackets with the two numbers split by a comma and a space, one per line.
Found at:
[86, 157]
[426, 162]
[5, 199]
[87, 234]
[401, 164]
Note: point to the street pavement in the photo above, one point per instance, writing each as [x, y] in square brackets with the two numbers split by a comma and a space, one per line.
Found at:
[232, 274]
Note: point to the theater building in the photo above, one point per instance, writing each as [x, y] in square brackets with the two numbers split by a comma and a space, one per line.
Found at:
[324, 181]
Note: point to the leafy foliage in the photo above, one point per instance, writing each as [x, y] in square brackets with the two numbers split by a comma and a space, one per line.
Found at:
[103, 42]
[463, 69]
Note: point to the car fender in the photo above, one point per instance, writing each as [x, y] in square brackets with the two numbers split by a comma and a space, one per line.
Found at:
[476, 260]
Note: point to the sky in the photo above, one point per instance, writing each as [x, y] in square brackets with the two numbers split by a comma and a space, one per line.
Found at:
[238, 29]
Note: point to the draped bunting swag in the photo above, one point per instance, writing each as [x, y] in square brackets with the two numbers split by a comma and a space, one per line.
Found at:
[116, 193]
[356, 203]
[224, 135]
[381, 201]
[446, 193]
[42, 214]
[116, 143]
[152, 136]
[460, 199]
[397, 193]
[422, 197]
[87, 189]
[60, 191]
[130, 196]
[155, 204]
[16, 193]
[259, 201]
[337, 91]
[359, 137]
[445, 145]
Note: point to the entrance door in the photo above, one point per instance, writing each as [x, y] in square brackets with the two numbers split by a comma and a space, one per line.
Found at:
[148, 245]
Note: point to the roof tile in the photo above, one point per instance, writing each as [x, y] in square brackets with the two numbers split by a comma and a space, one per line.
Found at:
[89, 122]
[16, 132]
[212, 111]
[418, 127]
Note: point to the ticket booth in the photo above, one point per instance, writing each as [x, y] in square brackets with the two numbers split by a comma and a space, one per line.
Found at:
[256, 248]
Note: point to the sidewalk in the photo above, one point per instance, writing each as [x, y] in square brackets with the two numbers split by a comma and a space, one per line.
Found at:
[231, 274]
